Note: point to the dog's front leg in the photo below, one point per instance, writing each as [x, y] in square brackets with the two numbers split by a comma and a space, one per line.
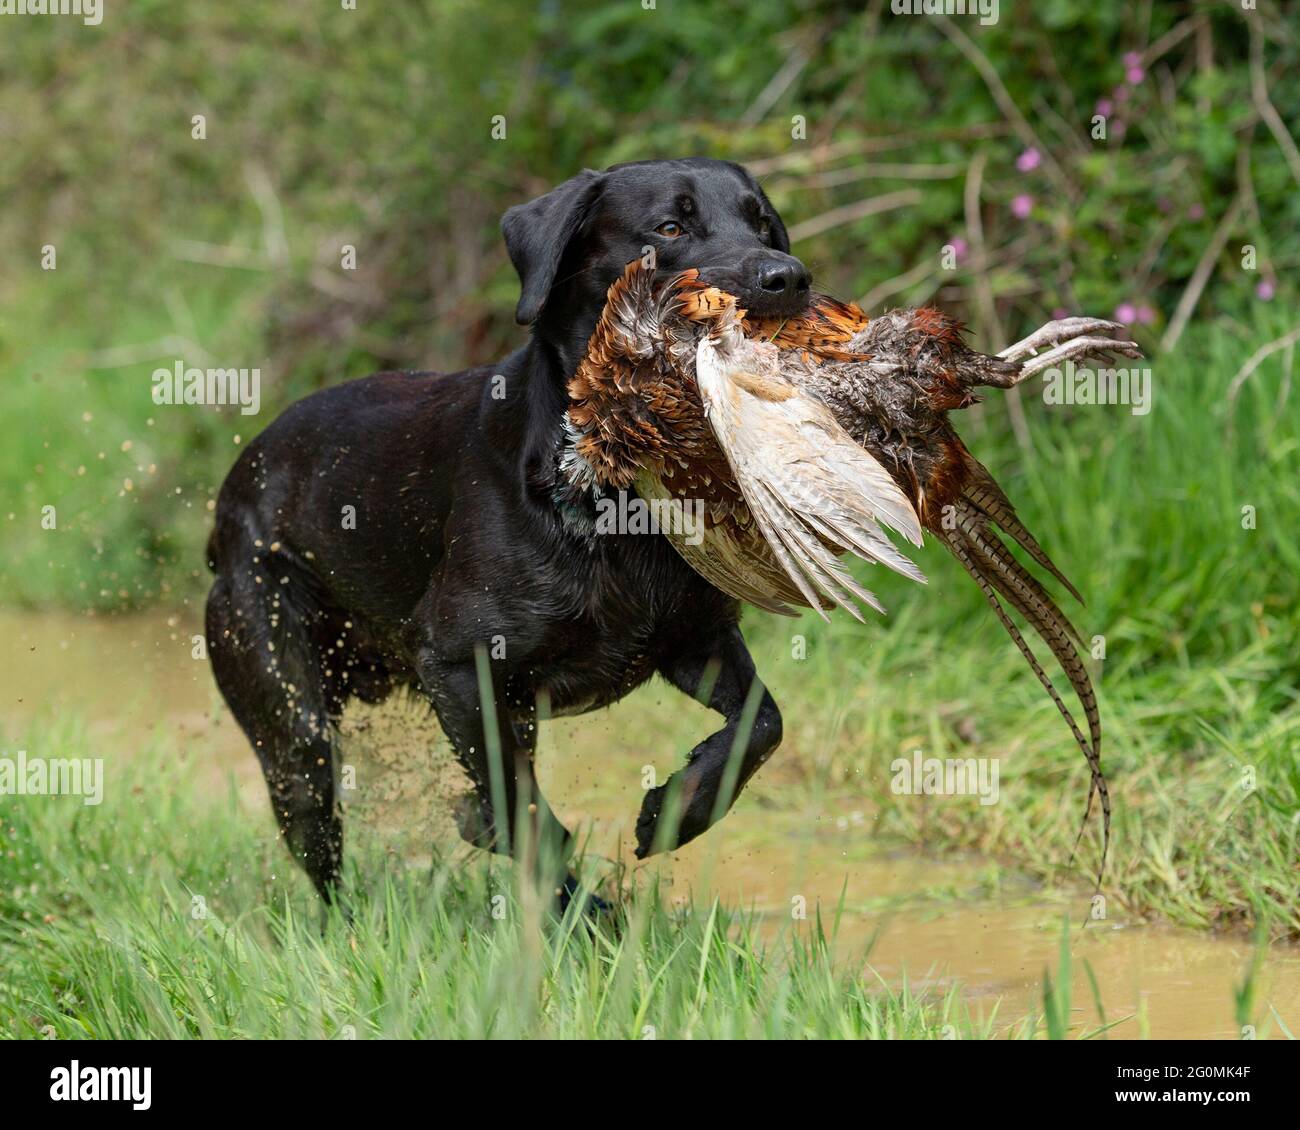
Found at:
[506, 812]
[722, 676]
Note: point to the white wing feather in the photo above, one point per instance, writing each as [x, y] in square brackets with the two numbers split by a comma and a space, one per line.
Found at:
[741, 566]
[810, 488]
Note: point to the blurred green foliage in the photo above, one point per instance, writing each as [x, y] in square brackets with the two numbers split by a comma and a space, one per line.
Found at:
[327, 127]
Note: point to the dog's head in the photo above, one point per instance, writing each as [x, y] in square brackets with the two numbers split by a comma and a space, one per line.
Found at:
[570, 245]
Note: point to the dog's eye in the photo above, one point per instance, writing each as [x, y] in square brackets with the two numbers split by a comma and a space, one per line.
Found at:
[671, 230]
[765, 228]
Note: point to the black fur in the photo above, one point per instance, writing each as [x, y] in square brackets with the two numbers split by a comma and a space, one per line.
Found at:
[458, 549]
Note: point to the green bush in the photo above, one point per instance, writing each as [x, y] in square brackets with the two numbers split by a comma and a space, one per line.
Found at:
[371, 128]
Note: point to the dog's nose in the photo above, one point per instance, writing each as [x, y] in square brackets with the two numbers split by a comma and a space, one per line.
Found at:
[785, 277]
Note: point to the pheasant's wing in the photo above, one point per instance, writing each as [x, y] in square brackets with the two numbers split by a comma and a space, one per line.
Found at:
[731, 556]
[812, 491]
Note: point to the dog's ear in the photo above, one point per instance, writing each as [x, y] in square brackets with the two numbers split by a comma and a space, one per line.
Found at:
[537, 233]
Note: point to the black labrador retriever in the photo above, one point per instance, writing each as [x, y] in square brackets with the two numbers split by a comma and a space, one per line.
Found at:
[403, 531]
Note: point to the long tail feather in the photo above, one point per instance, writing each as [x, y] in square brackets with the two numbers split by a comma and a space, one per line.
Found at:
[996, 571]
[1052, 625]
[982, 490]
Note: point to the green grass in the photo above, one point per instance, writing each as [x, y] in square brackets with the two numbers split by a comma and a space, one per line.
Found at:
[162, 915]
[165, 914]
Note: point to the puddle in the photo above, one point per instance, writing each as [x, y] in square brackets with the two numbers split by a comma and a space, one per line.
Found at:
[783, 850]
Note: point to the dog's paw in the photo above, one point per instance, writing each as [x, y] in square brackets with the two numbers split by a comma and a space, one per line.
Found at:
[693, 805]
[648, 821]
[475, 826]
[590, 904]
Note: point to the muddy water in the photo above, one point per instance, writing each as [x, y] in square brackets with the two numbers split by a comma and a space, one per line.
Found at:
[785, 848]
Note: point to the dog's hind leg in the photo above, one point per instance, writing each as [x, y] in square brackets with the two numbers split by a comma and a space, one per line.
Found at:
[506, 813]
[259, 635]
[721, 675]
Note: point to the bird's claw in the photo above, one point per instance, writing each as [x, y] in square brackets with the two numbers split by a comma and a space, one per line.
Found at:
[1069, 339]
[1054, 333]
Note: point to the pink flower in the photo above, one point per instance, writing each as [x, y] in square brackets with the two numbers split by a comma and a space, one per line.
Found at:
[1132, 58]
[1028, 161]
[1021, 206]
[1126, 313]
[1146, 315]
[1196, 212]
[1121, 93]
[1105, 107]
[1119, 127]
[1059, 313]
[1265, 290]
[1134, 75]
[959, 247]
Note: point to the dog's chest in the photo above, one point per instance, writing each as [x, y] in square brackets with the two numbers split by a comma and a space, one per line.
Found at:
[632, 605]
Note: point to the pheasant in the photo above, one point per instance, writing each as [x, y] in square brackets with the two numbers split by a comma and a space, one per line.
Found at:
[805, 438]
